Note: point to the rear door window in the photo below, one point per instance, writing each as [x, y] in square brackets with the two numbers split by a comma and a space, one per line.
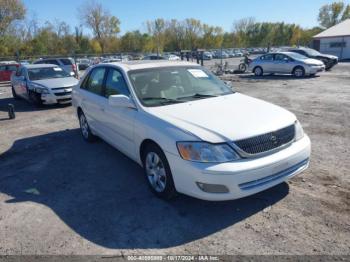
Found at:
[12, 68]
[52, 62]
[268, 57]
[94, 82]
[66, 61]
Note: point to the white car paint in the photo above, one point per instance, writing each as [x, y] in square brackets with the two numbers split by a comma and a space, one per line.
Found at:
[222, 119]
[59, 89]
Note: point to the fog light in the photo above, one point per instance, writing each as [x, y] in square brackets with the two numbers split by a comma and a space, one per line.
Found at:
[211, 188]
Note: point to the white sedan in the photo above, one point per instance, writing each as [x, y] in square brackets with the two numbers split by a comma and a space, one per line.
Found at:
[188, 130]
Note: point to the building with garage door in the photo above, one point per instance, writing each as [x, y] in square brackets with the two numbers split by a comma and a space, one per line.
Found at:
[335, 40]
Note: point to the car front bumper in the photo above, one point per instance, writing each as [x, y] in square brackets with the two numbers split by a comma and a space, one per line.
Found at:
[57, 97]
[316, 69]
[240, 178]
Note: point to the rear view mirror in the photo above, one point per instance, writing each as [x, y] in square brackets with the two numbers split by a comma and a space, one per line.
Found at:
[120, 101]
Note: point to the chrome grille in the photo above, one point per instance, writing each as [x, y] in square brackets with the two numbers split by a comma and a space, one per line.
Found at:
[268, 141]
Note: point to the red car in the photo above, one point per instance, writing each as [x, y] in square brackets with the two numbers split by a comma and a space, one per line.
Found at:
[6, 71]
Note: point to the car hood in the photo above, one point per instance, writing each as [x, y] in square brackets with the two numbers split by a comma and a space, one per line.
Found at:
[329, 56]
[225, 118]
[57, 82]
[311, 61]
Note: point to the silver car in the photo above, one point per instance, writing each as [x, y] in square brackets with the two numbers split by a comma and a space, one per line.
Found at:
[286, 63]
[43, 84]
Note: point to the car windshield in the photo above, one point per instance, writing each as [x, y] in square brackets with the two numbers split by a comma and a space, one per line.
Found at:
[46, 73]
[169, 85]
[311, 52]
[297, 56]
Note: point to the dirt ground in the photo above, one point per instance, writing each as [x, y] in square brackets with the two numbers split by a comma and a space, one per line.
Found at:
[60, 195]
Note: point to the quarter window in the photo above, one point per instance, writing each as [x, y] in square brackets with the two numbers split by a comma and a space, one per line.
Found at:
[94, 82]
[115, 84]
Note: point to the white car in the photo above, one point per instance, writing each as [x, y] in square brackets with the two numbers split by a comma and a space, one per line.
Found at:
[189, 131]
[43, 84]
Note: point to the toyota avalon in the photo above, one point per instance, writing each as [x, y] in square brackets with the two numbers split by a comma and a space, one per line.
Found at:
[190, 132]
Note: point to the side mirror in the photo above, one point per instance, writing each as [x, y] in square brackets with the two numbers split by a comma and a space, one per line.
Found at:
[120, 101]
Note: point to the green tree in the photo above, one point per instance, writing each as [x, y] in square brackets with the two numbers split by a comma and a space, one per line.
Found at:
[156, 28]
[331, 14]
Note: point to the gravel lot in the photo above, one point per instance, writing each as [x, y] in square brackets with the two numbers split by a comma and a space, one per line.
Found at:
[60, 195]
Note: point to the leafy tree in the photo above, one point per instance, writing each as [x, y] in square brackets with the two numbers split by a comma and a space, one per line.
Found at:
[10, 11]
[156, 28]
[100, 21]
[331, 14]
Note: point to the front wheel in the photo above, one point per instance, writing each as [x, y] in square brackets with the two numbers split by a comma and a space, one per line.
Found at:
[35, 98]
[14, 94]
[158, 173]
[85, 129]
[299, 72]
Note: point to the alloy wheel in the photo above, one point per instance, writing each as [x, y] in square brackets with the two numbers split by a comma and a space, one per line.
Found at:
[156, 172]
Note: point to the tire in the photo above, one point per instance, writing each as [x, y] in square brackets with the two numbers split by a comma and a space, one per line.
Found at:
[258, 71]
[15, 96]
[242, 67]
[85, 129]
[299, 71]
[158, 173]
[35, 99]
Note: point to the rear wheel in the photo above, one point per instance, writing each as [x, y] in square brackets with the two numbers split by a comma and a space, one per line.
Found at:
[242, 67]
[158, 173]
[299, 71]
[258, 71]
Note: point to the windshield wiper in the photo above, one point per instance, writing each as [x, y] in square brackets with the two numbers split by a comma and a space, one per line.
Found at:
[163, 100]
[197, 95]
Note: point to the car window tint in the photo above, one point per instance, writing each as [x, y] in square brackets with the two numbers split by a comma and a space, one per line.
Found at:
[280, 57]
[66, 61]
[115, 84]
[267, 57]
[53, 62]
[95, 80]
[12, 68]
[2, 68]
[23, 72]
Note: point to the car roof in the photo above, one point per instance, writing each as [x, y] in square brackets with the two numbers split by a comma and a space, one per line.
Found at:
[146, 64]
[33, 66]
[282, 52]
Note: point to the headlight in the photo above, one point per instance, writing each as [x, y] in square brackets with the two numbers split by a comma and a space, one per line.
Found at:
[299, 132]
[206, 152]
[39, 89]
